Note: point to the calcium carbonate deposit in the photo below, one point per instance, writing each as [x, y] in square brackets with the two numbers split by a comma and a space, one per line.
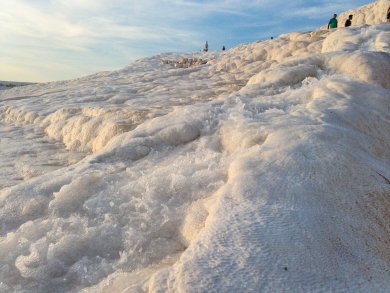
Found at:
[266, 169]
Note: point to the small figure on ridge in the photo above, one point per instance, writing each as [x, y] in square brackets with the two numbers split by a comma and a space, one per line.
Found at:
[223, 48]
[348, 22]
[206, 47]
[388, 14]
[333, 22]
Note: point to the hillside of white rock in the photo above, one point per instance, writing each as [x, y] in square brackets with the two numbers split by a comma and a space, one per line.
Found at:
[265, 170]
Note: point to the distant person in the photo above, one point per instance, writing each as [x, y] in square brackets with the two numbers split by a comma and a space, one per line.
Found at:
[333, 22]
[348, 22]
[388, 14]
[223, 48]
[272, 38]
[206, 47]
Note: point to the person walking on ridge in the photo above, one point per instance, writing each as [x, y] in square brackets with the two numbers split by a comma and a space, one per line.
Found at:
[348, 22]
[333, 22]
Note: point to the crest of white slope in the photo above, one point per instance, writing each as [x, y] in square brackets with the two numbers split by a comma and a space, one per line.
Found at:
[267, 169]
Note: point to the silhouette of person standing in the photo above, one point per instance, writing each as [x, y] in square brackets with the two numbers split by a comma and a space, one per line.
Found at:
[348, 22]
[206, 47]
[388, 14]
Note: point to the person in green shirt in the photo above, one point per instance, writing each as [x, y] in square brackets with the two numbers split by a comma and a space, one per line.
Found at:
[333, 22]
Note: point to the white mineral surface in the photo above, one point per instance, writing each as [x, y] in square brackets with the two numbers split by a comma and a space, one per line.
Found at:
[265, 170]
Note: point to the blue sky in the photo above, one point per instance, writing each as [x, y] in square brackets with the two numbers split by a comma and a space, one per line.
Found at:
[46, 40]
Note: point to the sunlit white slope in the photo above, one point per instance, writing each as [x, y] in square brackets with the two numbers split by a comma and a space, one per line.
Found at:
[265, 170]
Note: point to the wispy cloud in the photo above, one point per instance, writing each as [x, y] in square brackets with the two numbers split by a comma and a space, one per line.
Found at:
[321, 8]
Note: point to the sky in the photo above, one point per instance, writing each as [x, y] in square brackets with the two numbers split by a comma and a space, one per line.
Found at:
[48, 40]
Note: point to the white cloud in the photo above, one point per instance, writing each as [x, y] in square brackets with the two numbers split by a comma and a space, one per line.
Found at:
[56, 25]
[80, 28]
